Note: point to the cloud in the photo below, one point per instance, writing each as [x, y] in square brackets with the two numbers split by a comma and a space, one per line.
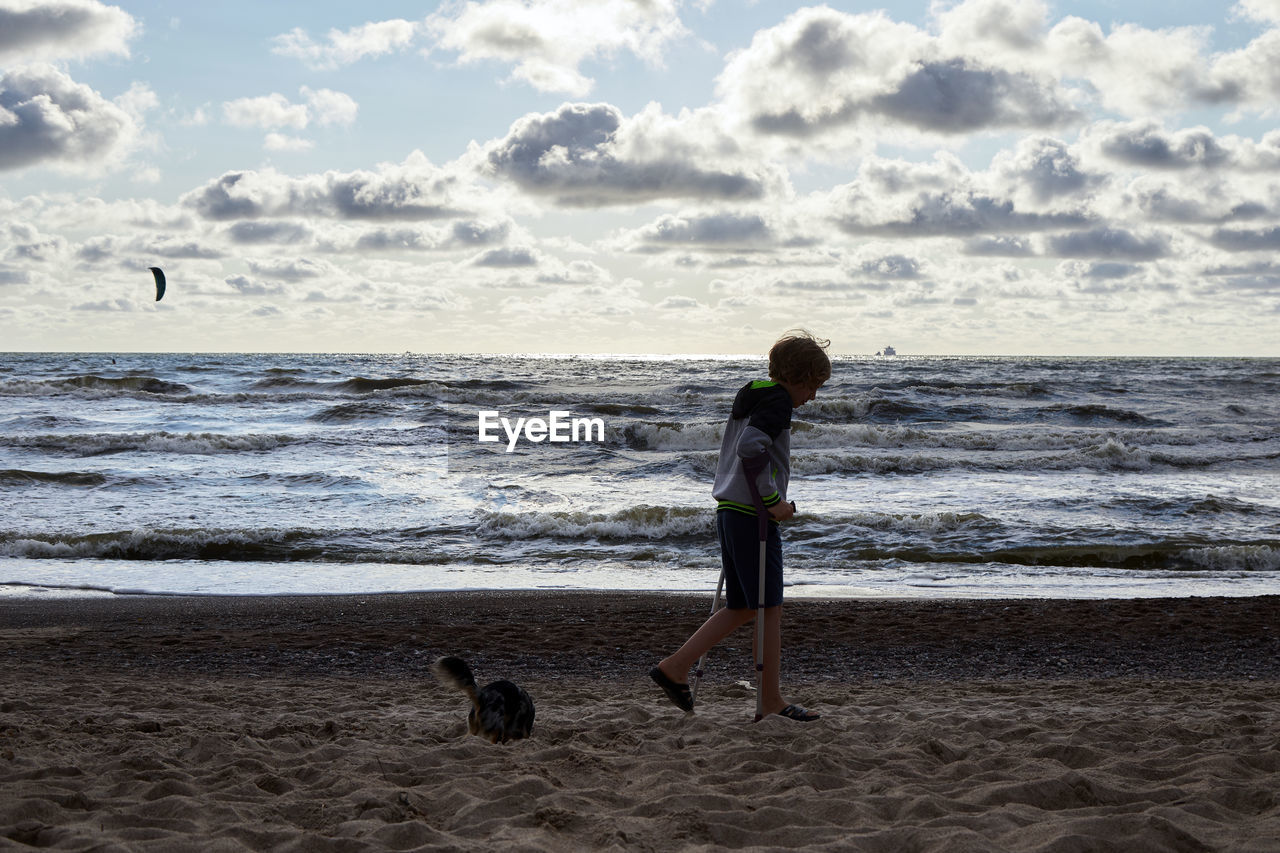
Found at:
[345, 47]
[507, 258]
[1266, 11]
[942, 198]
[1210, 199]
[959, 96]
[576, 272]
[986, 65]
[1247, 240]
[822, 71]
[590, 155]
[548, 40]
[253, 233]
[63, 29]
[281, 142]
[1100, 270]
[324, 107]
[104, 305]
[412, 190]
[48, 118]
[272, 110]
[1109, 242]
[1000, 246]
[727, 229]
[246, 286]
[1045, 169]
[891, 266]
[1128, 69]
[292, 270]
[9, 275]
[678, 303]
[1146, 144]
[171, 248]
[474, 233]
[330, 107]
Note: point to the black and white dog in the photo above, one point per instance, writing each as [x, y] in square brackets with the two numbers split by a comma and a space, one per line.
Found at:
[500, 711]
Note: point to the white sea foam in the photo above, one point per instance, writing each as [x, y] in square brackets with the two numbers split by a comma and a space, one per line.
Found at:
[149, 442]
[140, 542]
[644, 522]
[1225, 558]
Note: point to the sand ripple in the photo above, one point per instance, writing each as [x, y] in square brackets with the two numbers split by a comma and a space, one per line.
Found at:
[138, 762]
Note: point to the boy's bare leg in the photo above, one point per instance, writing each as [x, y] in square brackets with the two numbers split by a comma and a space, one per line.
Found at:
[720, 625]
[772, 701]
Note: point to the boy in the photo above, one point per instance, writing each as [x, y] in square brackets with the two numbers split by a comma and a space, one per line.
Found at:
[754, 468]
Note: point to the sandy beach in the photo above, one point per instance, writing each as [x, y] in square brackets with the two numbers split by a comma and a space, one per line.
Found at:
[313, 724]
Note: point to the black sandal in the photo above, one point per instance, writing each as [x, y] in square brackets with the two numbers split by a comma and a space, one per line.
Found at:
[795, 712]
[678, 693]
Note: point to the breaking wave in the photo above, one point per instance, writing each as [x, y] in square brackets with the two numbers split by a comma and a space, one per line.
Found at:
[95, 444]
[16, 477]
[641, 522]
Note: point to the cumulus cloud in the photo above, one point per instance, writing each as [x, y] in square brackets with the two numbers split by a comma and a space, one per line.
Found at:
[345, 47]
[297, 269]
[1128, 68]
[272, 110]
[177, 248]
[941, 198]
[412, 190]
[822, 71]
[461, 235]
[9, 275]
[591, 155]
[726, 229]
[1211, 199]
[548, 40]
[1000, 246]
[46, 117]
[891, 267]
[1246, 239]
[1045, 169]
[246, 286]
[1267, 11]
[827, 75]
[1100, 270]
[575, 272]
[62, 29]
[330, 107]
[282, 233]
[476, 233]
[507, 257]
[1110, 243]
[1148, 145]
[324, 106]
[104, 305]
[283, 142]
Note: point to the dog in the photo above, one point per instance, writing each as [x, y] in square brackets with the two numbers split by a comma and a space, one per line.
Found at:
[500, 711]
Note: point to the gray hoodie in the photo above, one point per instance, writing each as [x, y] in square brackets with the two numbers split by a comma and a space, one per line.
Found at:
[760, 423]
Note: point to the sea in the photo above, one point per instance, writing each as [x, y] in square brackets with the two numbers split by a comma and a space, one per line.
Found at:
[914, 476]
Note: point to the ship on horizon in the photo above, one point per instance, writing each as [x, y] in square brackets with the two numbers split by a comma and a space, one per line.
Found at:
[888, 350]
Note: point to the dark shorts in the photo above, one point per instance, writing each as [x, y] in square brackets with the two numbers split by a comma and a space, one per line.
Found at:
[740, 553]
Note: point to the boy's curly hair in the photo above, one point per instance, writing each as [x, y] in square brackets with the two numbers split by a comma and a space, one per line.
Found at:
[800, 358]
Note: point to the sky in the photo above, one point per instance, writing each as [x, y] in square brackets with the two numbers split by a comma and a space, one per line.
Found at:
[1008, 177]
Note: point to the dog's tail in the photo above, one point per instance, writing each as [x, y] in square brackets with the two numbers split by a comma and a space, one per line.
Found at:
[454, 672]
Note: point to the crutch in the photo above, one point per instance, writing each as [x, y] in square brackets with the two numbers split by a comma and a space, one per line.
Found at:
[752, 468]
[763, 515]
[702, 661]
